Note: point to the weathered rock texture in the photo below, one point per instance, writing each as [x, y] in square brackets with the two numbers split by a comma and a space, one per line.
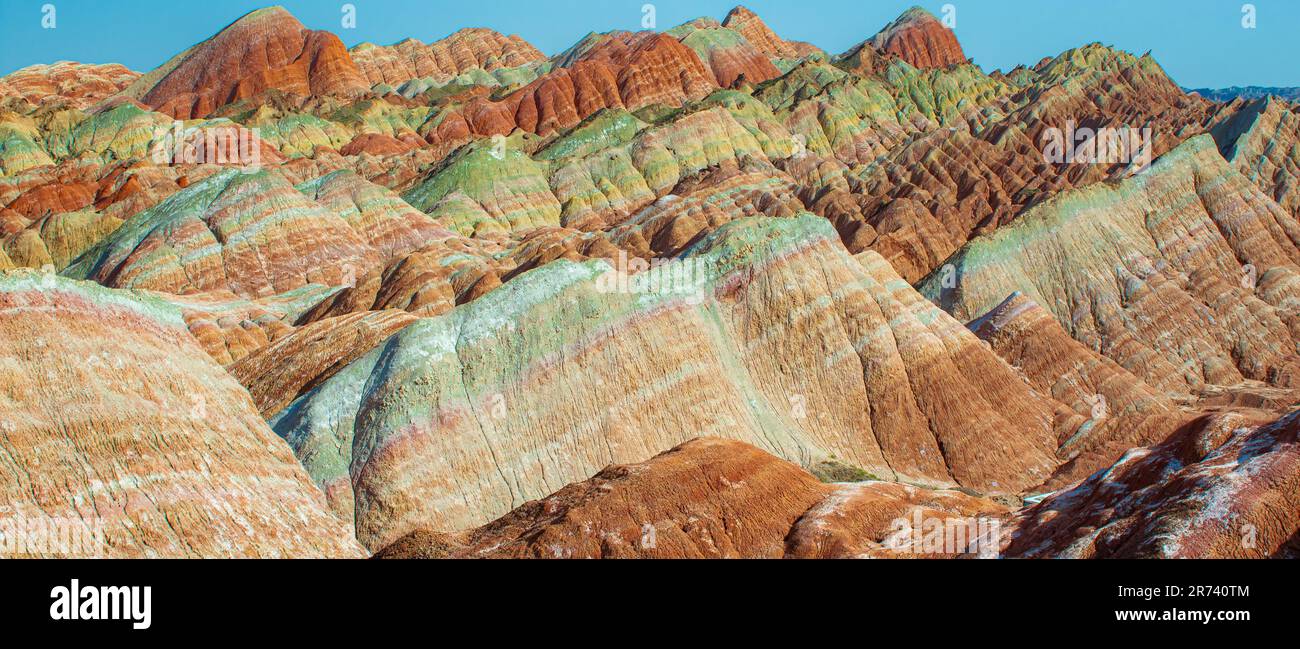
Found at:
[1184, 275]
[142, 444]
[443, 60]
[1105, 409]
[458, 419]
[1262, 140]
[1221, 487]
[267, 49]
[749, 25]
[415, 285]
[920, 39]
[733, 60]
[708, 498]
[80, 85]
[250, 233]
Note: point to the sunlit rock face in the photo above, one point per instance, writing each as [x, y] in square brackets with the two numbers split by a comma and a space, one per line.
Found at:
[1220, 487]
[466, 298]
[708, 498]
[920, 39]
[448, 424]
[142, 446]
[264, 50]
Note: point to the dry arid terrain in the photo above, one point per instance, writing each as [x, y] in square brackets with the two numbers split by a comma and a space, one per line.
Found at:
[699, 292]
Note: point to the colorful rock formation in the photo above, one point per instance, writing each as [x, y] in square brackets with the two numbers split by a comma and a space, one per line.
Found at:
[1189, 247]
[266, 49]
[708, 498]
[783, 52]
[79, 85]
[1220, 487]
[250, 233]
[481, 369]
[142, 447]
[920, 39]
[464, 51]
[460, 279]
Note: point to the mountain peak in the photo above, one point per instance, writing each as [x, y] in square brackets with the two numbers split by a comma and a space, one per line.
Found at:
[919, 38]
[749, 25]
[265, 49]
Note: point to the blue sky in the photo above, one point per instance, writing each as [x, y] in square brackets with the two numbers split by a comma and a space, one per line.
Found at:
[1199, 42]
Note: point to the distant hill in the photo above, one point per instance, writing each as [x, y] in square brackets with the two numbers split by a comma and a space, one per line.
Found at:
[1248, 92]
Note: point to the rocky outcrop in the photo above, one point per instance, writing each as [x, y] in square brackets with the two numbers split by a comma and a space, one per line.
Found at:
[1262, 140]
[230, 327]
[443, 60]
[1223, 486]
[280, 372]
[1184, 274]
[920, 39]
[615, 70]
[267, 49]
[79, 85]
[749, 25]
[851, 366]
[1105, 411]
[250, 233]
[733, 60]
[144, 447]
[708, 498]
[386, 222]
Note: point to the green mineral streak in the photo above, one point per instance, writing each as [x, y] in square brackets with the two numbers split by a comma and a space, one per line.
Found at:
[18, 148]
[514, 187]
[435, 88]
[608, 128]
[570, 56]
[288, 306]
[527, 323]
[705, 39]
[121, 133]
[298, 134]
[941, 95]
[65, 236]
[378, 116]
[785, 65]
[1029, 255]
[142, 303]
[756, 117]
[805, 81]
[193, 202]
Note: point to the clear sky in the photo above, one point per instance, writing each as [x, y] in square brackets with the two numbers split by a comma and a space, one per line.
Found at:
[1199, 42]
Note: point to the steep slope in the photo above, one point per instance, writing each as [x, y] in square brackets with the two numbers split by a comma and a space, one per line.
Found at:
[783, 53]
[1106, 409]
[766, 332]
[443, 60]
[79, 85]
[615, 70]
[920, 39]
[144, 447]
[280, 372]
[708, 498]
[733, 60]
[1221, 487]
[266, 49]
[1184, 275]
[1262, 140]
[249, 233]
